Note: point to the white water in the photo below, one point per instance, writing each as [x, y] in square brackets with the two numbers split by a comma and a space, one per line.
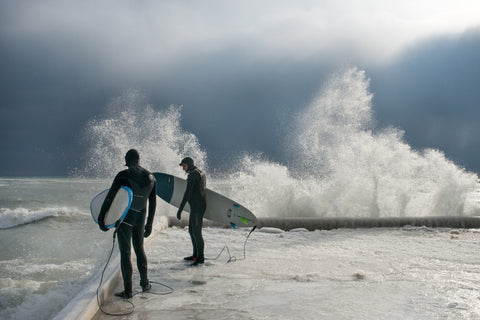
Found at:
[337, 164]
[45, 258]
[131, 123]
[342, 167]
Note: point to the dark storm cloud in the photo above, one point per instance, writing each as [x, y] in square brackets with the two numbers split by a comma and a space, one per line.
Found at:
[432, 92]
[49, 95]
[46, 98]
[233, 106]
[240, 71]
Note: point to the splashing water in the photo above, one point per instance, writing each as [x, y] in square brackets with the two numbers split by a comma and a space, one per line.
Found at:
[342, 168]
[270, 190]
[132, 123]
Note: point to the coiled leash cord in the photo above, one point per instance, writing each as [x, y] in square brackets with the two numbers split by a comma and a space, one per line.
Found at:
[230, 259]
[233, 258]
[128, 301]
[101, 280]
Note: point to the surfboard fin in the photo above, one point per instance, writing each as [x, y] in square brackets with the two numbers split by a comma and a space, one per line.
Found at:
[234, 226]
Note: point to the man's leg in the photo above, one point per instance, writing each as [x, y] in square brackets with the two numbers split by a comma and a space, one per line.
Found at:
[137, 240]
[197, 238]
[191, 231]
[124, 239]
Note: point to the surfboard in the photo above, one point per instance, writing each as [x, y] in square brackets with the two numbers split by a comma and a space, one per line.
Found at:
[118, 210]
[219, 208]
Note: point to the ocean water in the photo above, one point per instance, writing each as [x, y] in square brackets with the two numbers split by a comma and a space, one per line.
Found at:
[49, 246]
[337, 163]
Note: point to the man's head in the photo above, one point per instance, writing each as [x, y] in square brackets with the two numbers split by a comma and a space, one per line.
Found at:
[187, 164]
[132, 158]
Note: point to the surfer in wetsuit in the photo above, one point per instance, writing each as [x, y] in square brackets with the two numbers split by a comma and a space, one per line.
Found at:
[133, 228]
[195, 195]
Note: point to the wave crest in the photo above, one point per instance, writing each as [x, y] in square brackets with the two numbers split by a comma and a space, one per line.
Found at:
[10, 218]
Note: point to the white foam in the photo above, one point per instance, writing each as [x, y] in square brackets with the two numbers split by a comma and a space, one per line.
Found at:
[14, 217]
[49, 270]
[40, 304]
[341, 165]
[132, 123]
[336, 162]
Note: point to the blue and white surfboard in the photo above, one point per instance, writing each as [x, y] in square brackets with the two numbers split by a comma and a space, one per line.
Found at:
[118, 210]
[219, 208]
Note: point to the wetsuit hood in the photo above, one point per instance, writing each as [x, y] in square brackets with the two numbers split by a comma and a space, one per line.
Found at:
[132, 158]
[189, 162]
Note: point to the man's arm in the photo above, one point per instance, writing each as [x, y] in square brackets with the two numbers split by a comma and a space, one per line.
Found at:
[108, 202]
[152, 206]
[187, 195]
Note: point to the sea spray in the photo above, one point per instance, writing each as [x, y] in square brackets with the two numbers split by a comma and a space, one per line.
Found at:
[270, 190]
[130, 122]
[341, 166]
[336, 162]
[374, 174]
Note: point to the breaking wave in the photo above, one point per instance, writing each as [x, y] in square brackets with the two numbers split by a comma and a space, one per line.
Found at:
[132, 123]
[338, 163]
[342, 167]
[10, 218]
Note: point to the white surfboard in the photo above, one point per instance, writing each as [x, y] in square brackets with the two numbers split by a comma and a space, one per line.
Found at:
[219, 208]
[118, 210]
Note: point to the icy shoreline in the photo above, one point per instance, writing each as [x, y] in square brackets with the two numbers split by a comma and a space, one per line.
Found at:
[407, 273]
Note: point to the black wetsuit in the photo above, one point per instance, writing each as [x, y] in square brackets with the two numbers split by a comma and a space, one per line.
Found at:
[131, 231]
[195, 195]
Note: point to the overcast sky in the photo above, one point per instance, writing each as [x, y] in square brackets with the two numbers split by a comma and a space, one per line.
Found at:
[62, 62]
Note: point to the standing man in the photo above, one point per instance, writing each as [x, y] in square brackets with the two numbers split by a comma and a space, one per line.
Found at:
[133, 228]
[195, 195]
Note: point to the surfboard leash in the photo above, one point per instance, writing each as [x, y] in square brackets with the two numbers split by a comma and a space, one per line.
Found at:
[128, 301]
[159, 293]
[101, 281]
[233, 258]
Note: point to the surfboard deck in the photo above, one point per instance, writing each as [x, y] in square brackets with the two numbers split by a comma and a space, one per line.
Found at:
[118, 210]
[219, 208]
